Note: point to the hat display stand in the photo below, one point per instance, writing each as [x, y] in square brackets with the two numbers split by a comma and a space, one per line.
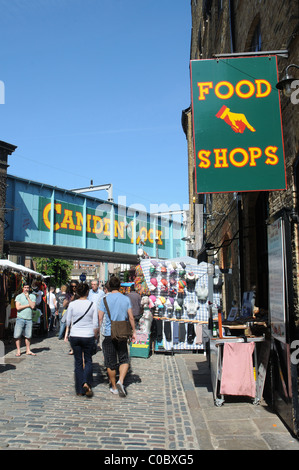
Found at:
[181, 305]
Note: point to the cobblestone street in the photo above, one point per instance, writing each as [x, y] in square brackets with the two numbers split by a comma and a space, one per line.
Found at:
[169, 406]
[39, 409]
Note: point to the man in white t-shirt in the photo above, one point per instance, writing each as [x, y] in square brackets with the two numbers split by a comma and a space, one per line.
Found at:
[95, 293]
[51, 301]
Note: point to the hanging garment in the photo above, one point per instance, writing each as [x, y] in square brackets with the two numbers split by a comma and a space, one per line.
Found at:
[175, 332]
[182, 332]
[167, 330]
[190, 333]
[237, 370]
[159, 331]
[198, 332]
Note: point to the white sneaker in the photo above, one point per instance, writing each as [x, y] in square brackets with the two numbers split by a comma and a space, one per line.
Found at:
[114, 391]
[121, 390]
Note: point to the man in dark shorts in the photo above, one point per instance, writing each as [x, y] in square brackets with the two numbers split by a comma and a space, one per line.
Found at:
[116, 352]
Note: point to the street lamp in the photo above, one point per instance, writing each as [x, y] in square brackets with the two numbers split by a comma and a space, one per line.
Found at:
[285, 84]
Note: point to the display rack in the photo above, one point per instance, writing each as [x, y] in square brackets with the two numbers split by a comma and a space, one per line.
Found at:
[179, 330]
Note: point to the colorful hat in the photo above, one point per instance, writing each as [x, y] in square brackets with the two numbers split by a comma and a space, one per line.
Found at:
[181, 285]
[164, 282]
[154, 282]
[152, 298]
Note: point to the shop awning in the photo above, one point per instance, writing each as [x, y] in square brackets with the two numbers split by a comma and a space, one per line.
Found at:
[7, 264]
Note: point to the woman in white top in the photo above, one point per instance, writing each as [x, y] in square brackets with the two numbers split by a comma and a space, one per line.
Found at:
[82, 319]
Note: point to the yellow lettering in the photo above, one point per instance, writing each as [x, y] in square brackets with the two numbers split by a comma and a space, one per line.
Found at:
[97, 224]
[79, 224]
[119, 228]
[150, 235]
[88, 219]
[228, 95]
[259, 93]
[158, 236]
[247, 95]
[107, 226]
[220, 158]
[272, 158]
[204, 89]
[68, 220]
[203, 156]
[242, 152]
[255, 152]
[46, 212]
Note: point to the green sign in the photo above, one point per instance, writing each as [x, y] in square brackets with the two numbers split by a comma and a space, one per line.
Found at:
[69, 220]
[238, 143]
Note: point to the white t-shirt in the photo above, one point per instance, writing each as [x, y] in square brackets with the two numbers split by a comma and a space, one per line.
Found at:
[51, 299]
[86, 326]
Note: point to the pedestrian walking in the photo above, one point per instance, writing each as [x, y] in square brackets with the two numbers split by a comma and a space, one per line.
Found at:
[70, 297]
[135, 299]
[60, 298]
[116, 352]
[82, 321]
[95, 293]
[51, 301]
[25, 303]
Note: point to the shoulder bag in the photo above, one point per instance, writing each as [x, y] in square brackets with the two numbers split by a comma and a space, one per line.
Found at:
[120, 330]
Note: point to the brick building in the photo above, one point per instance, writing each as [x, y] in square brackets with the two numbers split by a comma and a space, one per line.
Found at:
[5, 150]
[235, 224]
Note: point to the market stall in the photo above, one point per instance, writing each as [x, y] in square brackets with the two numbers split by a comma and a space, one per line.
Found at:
[175, 297]
[238, 352]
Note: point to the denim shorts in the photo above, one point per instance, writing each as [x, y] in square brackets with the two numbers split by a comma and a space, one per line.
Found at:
[23, 327]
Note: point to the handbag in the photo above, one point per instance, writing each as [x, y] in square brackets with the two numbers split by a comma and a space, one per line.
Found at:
[120, 330]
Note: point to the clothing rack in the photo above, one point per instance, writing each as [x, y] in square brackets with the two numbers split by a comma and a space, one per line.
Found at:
[203, 311]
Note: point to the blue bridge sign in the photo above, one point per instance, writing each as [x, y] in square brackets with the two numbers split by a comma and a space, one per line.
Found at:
[43, 220]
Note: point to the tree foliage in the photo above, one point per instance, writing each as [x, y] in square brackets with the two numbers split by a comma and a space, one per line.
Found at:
[59, 270]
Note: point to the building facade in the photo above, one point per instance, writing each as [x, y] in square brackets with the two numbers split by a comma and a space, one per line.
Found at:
[235, 225]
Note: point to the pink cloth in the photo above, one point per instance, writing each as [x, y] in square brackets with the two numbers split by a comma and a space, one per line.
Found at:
[237, 370]
[198, 332]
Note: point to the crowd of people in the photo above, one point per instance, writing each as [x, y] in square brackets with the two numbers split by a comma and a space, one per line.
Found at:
[78, 313]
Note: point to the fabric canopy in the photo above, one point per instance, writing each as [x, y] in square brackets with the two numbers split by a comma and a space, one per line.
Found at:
[7, 264]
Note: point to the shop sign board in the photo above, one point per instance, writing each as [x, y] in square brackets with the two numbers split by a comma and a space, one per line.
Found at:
[237, 129]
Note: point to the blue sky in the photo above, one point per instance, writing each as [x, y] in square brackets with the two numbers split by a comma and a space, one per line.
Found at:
[94, 89]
